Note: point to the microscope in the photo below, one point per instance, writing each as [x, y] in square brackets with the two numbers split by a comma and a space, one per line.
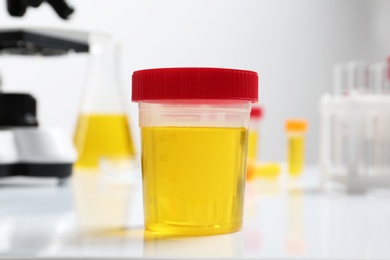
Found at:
[25, 148]
[18, 8]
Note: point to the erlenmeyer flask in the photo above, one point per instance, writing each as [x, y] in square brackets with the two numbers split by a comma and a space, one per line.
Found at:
[103, 131]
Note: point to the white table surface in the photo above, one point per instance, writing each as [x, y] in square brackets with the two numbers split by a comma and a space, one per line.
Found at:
[282, 220]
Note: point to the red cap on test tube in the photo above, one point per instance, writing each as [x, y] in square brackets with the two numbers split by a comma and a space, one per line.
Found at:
[256, 112]
[388, 68]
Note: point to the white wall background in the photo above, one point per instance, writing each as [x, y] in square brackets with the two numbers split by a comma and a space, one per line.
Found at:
[291, 44]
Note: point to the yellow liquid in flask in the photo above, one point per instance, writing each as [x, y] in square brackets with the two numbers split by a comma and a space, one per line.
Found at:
[193, 179]
[295, 154]
[102, 135]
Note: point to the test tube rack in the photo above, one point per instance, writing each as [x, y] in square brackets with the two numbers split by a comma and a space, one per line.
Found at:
[355, 141]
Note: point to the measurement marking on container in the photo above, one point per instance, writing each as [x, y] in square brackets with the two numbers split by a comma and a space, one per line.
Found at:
[168, 137]
[163, 157]
[168, 177]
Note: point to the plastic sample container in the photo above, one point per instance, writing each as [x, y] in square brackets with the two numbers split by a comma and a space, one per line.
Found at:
[295, 129]
[194, 126]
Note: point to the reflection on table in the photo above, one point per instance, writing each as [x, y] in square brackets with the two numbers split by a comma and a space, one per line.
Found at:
[98, 217]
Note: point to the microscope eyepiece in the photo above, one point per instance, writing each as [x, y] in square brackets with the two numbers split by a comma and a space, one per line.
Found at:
[18, 8]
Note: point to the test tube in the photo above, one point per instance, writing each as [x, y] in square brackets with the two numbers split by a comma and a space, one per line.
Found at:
[386, 145]
[295, 129]
[254, 135]
[379, 78]
[358, 77]
[386, 82]
[342, 87]
[340, 80]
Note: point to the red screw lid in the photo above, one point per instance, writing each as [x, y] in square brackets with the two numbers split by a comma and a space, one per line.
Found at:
[194, 83]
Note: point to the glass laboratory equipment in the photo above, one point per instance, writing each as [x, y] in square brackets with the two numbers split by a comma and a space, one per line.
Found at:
[351, 78]
[254, 131]
[358, 77]
[355, 140]
[340, 86]
[379, 78]
[295, 129]
[253, 140]
[103, 131]
[194, 126]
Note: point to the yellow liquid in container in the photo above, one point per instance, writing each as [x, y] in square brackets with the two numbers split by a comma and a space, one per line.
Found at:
[295, 154]
[252, 144]
[102, 135]
[193, 179]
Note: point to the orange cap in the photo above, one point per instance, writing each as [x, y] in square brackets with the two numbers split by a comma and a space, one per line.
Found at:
[299, 125]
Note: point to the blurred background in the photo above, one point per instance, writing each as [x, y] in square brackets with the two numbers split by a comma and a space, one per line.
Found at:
[293, 46]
